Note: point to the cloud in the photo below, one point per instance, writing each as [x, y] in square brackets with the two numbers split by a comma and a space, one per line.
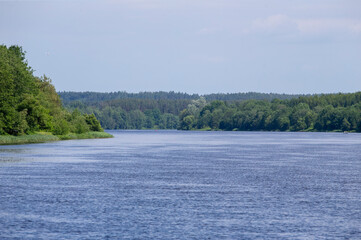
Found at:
[274, 23]
[215, 59]
[142, 4]
[208, 59]
[322, 26]
[206, 31]
[356, 28]
[172, 4]
[284, 25]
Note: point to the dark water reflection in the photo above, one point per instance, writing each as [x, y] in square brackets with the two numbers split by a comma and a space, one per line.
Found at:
[184, 185]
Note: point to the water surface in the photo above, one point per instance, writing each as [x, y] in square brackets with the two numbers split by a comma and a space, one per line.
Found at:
[184, 185]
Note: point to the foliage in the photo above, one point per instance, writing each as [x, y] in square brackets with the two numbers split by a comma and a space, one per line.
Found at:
[93, 123]
[238, 111]
[60, 126]
[94, 97]
[331, 112]
[120, 110]
[29, 103]
[133, 113]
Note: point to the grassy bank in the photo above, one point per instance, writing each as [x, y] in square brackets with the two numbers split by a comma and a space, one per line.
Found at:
[48, 137]
[34, 138]
[87, 135]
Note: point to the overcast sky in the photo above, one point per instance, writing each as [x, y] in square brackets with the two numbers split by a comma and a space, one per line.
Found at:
[195, 46]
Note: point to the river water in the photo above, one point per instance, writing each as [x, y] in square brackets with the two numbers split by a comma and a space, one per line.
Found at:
[184, 185]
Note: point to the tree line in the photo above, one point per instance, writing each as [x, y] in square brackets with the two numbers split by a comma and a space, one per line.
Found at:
[331, 112]
[146, 110]
[231, 111]
[134, 113]
[267, 112]
[91, 97]
[30, 104]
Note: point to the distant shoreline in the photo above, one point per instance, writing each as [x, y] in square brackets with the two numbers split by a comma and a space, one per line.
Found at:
[48, 137]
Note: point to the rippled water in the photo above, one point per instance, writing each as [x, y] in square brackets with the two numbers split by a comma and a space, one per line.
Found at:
[184, 185]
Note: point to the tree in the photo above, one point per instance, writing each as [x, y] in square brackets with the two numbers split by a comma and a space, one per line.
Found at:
[93, 123]
[188, 122]
[345, 126]
[29, 103]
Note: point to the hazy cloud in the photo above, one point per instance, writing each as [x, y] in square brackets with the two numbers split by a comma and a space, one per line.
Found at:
[320, 26]
[215, 59]
[274, 23]
[143, 3]
[206, 31]
[356, 27]
[283, 24]
[208, 58]
[166, 4]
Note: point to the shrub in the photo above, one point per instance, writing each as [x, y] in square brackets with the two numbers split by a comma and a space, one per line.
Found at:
[93, 123]
[60, 127]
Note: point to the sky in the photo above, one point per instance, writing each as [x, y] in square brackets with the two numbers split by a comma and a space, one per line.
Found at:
[193, 46]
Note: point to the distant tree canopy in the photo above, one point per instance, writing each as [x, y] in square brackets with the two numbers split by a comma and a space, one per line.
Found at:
[92, 97]
[231, 111]
[29, 103]
[238, 111]
[146, 110]
[331, 112]
[133, 113]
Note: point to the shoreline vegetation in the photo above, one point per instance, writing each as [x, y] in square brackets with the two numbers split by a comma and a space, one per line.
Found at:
[148, 110]
[31, 111]
[48, 137]
[338, 112]
[319, 113]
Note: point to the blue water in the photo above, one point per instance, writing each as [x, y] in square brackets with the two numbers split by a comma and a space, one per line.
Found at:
[184, 185]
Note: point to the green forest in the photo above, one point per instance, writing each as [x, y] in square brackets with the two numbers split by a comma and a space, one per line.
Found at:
[91, 97]
[30, 104]
[147, 110]
[134, 113]
[238, 111]
[331, 112]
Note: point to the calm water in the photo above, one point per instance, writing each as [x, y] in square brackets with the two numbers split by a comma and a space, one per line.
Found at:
[184, 185]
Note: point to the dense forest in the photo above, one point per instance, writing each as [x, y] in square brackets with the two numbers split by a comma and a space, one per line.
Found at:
[146, 110]
[331, 112]
[134, 113]
[90, 97]
[30, 104]
[239, 111]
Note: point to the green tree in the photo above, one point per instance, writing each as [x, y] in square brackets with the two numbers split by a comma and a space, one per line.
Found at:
[188, 122]
[93, 123]
[60, 126]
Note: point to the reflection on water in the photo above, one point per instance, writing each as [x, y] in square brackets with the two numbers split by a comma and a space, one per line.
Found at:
[12, 154]
[12, 150]
[11, 159]
[188, 185]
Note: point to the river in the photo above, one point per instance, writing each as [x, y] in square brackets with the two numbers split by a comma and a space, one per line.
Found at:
[184, 185]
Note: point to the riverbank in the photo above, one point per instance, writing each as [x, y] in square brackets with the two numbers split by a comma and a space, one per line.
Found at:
[48, 137]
